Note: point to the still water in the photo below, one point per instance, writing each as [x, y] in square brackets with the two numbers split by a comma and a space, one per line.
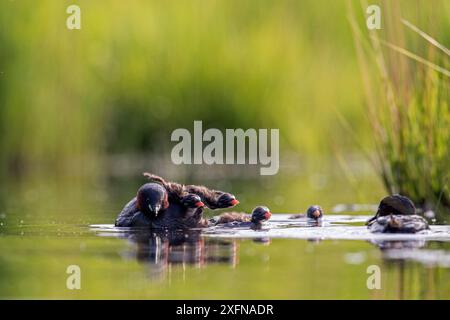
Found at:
[41, 235]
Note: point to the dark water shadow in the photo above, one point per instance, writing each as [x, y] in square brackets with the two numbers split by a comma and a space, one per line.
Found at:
[415, 259]
[162, 250]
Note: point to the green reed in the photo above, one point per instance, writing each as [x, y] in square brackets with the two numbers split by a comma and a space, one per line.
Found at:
[406, 80]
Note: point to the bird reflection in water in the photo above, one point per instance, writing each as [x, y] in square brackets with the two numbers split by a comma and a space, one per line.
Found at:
[163, 250]
[401, 259]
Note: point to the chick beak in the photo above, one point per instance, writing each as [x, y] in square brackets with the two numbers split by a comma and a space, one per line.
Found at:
[316, 214]
[234, 202]
[267, 215]
[199, 204]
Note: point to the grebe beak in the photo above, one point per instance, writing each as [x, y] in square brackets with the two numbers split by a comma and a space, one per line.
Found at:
[199, 204]
[154, 209]
[316, 214]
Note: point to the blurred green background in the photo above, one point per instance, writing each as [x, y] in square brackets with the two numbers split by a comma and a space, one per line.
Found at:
[79, 106]
[84, 112]
[136, 72]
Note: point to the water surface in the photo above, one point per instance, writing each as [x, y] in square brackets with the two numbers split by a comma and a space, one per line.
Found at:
[286, 259]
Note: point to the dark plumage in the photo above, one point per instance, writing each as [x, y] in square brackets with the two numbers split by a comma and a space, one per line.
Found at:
[150, 208]
[151, 200]
[260, 214]
[184, 214]
[213, 199]
[242, 220]
[314, 212]
[162, 204]
[396, 214]
[192, 201]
